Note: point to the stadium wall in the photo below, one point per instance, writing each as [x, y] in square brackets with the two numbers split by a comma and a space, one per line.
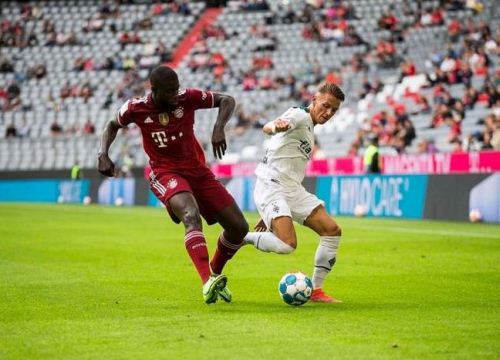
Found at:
[445, 197]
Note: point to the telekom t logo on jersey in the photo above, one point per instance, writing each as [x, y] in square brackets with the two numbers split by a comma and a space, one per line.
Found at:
[161, 138]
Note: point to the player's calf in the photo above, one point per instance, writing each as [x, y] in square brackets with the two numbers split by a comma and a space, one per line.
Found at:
[267, 242]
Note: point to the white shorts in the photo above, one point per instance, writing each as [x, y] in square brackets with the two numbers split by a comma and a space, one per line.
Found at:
[274, 200]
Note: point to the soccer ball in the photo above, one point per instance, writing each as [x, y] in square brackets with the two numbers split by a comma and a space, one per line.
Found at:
[295, 288]
[475, 216]
[360, 210]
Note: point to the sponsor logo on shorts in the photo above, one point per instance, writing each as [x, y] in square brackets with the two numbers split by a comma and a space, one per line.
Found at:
[276, 208]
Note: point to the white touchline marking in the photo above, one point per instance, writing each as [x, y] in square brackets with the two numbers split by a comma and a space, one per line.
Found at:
[426, 231]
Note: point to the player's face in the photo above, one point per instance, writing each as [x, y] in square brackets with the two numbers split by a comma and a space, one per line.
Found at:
[324, 107]
[166, 96]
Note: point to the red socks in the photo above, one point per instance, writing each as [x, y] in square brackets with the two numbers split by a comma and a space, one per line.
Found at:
[225, 251]
[196, 247]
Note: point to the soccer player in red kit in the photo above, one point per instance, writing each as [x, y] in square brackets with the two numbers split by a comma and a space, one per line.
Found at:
[179, 176]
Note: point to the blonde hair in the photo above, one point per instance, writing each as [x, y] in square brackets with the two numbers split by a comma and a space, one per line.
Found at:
[332, 89]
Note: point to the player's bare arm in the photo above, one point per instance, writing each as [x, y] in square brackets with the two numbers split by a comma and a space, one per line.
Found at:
[226, 105]
[105, 165]
[276, 126]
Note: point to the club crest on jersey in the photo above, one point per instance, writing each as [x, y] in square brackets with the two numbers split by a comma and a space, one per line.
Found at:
[164, 119]
[172, 183]
[179, 112]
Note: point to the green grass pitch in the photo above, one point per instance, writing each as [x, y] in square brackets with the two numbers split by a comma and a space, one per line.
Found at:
[116, 283]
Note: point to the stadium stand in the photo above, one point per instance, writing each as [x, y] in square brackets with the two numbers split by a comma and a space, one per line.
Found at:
[423, 75]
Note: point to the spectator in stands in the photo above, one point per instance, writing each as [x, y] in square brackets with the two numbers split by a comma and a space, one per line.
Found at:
[11, 130]
[266, 82]
[88, 128]
[56, 129]
[408, 68]
[184, 8]
[254, 5]
[249, 81]
[24, 130]
[86, 91]
[385, 53]
[13, 97]
[358, 63]
[371, 155]
[38, 71]
[454, 30]
[262, 62]
[421, 105]
[388, 21]
[94, 24]
[162, 51]
[243, 121]
[158, 8]
[333, 77]
[6, 65]
[426, 146]
[470, 97]
[76, 172]
[351, 37]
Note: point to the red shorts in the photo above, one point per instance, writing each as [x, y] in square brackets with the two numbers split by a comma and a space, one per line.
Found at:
[211, 196]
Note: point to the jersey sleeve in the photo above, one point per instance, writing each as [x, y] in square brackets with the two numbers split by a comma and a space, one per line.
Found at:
[296, 116]
[124, 114]
[200, 99]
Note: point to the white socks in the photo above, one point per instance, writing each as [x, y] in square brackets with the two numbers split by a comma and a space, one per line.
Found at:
[324, 259]
[267, 242]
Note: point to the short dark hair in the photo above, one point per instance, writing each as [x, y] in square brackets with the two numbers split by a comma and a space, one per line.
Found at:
[161, 75]
[332, 89]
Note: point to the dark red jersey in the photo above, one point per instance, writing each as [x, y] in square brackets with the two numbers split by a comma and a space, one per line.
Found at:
[168, 136]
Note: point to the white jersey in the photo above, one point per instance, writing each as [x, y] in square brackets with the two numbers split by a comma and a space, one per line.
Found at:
[287, 152]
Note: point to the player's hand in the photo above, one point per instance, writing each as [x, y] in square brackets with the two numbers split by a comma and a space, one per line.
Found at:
[105, 165]
[282, 125]
[219, 143]
[261, 226]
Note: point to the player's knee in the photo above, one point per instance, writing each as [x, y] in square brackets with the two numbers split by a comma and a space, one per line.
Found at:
[284, 248]
[332, 230]
[191, 219]
[241, 229]
[290, 241]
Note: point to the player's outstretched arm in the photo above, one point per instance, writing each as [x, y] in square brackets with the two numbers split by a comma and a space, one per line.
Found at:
[276, 126]
[226, 105]
[104, 163]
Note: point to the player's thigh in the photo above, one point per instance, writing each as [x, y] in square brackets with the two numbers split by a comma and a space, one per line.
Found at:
[270, 201]
[302, 204]
[213, 199]
[165, 186]
[274, 211]
[322, 223]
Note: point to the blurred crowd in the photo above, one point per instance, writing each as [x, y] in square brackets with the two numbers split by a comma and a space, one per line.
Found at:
[472, 45]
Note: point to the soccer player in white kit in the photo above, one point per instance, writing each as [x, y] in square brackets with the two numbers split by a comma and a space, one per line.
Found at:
[279, 195]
